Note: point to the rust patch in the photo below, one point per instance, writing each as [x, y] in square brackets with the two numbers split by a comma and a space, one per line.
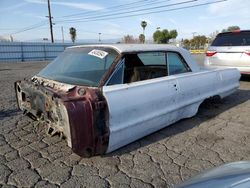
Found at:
[86, 109]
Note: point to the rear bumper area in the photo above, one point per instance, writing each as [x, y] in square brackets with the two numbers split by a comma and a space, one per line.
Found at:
[76, 118]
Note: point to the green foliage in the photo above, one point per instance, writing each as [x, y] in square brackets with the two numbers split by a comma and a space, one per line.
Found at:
[157, 36]
[163, 37]
[173, 34]
[231, 28]
[198, 41]
[186, 43]
[142, 38]
[72, 32]
[144, 24]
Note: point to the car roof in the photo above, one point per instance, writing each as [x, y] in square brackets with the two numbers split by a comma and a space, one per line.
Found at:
[123, 48]
[128, 48]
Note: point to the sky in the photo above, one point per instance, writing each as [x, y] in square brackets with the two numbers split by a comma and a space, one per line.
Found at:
[91, 17]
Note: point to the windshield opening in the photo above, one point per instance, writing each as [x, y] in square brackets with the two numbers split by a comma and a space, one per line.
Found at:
[80, 66]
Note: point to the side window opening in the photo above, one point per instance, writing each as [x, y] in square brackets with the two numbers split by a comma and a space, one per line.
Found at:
[147, 65]
[118, 75]
[144, 66]
[176, 65]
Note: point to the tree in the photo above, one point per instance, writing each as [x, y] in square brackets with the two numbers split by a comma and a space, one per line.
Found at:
[144, 25]
[163, 37]
[72, 32]
[198, 41]
[231, 28]
[157, 36]
[212, 36]
[186, 43]
[173, 34]
[129, 39]
[142, 38]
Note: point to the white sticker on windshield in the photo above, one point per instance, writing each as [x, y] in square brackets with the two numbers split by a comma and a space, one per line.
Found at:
[98, 53]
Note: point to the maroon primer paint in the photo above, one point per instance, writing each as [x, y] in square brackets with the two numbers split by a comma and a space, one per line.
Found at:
[87, 114]
[87, 117]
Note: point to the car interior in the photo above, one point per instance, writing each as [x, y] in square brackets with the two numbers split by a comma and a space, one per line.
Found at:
[144, 66]
[149, 65]
[136, 70]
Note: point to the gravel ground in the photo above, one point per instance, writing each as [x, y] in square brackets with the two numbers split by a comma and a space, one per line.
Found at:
[219, 133]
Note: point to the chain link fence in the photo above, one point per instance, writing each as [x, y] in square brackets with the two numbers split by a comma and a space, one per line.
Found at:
[29, 51]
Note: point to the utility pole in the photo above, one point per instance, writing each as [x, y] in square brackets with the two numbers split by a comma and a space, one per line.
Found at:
[62, 34]
[194, 34]
[99, 37]
[50, 23]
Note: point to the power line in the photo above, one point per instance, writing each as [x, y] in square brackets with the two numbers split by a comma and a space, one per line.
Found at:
[37, 25]
[94, 32]
[41, 27]
[122, 5]
[29, 28]
[108, 10]
[10, 29]
[112, 7]
[152, 12]
[138, 10]
[118, 17]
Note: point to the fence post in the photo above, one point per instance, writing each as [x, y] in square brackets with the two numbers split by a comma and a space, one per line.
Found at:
[22, 56]
[44, 50]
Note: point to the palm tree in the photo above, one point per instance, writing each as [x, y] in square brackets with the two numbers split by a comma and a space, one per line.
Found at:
[144, 25]
[141, 38]
[72, 32]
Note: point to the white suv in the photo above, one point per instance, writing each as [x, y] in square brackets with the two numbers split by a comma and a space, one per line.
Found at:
[230, 49]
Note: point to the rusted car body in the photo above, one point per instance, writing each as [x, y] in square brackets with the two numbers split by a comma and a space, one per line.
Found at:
[102, 97]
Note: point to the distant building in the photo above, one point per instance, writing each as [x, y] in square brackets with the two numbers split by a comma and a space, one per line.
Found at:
[4, 39]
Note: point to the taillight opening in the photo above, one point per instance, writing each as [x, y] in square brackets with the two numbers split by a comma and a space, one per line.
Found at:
[210, 53]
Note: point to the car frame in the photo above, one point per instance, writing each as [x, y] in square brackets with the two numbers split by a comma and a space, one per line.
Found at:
[101, 118]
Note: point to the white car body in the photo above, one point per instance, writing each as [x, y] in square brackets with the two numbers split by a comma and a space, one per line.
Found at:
[141, 108]
[132, 110]
[230, 50]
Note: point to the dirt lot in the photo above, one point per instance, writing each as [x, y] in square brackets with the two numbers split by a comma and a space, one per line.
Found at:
[219, 133]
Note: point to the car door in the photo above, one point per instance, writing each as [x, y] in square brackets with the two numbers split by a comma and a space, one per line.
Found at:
[139, 108]
[193, 87]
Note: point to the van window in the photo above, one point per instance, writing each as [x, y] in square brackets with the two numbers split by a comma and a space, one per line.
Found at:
[232, 39]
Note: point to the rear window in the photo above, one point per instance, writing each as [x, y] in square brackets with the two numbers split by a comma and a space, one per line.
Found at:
[232, 39]
[80, 66]
[153, 58]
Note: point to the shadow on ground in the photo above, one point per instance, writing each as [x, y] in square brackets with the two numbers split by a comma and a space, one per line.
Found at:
[8, 113]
